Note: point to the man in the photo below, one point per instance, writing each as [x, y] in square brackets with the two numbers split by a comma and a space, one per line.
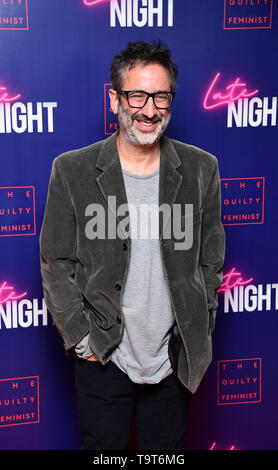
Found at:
[138, 311]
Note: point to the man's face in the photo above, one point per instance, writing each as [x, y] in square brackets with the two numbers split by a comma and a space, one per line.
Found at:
[143, 126]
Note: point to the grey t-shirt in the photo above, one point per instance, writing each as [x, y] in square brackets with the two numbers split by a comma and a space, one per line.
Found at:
[143, 352]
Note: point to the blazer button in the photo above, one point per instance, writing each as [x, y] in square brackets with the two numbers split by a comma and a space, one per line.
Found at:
[117, 286]
[125, 246]
[119, 320]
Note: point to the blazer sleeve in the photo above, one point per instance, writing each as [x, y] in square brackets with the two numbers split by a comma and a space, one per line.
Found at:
[213, 241]
[58, 262]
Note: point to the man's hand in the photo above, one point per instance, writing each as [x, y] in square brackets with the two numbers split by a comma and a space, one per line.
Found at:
[93, 357]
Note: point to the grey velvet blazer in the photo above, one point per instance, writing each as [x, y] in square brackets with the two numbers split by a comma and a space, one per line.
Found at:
[83, 278]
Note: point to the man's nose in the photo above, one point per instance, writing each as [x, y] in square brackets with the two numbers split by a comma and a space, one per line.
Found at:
[149, 109]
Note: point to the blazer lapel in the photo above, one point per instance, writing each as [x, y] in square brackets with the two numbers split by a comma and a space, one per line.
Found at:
[169, 180]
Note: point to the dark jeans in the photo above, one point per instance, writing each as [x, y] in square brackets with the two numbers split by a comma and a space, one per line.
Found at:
[106, 398]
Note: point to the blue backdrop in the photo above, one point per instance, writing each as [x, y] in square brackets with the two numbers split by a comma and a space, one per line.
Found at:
[54, 81]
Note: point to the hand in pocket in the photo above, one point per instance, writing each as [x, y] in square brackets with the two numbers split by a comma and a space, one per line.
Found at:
[93, 357]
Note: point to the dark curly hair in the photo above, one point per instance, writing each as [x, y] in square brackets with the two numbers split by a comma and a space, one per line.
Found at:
[140, 52]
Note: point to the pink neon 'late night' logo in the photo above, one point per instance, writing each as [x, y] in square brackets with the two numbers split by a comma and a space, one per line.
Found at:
[236, 90]
[11, 295]
[4, 95]
[229, 284]
[90, 3]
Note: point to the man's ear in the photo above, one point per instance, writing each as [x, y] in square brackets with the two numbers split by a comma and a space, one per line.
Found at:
[114, 100]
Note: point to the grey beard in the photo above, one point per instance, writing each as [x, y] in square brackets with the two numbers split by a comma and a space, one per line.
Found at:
[126, 125]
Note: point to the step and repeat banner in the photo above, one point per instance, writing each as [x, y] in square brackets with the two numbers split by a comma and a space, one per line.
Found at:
[54, 83]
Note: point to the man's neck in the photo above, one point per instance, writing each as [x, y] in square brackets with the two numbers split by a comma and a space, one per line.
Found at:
[138, 159]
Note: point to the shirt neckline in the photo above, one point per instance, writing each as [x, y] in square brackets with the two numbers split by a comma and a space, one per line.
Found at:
[141, 176]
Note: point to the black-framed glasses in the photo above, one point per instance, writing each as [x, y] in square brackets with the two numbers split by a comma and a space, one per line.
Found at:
[139, 98]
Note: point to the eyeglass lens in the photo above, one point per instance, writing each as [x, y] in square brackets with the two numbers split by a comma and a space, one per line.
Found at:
[161, 100]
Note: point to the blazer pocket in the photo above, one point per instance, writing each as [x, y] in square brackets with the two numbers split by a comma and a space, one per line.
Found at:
[100, 320]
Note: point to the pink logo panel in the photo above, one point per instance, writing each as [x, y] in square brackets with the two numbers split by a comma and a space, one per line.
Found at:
[239, 381]
[19, 401]
[247, 14]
